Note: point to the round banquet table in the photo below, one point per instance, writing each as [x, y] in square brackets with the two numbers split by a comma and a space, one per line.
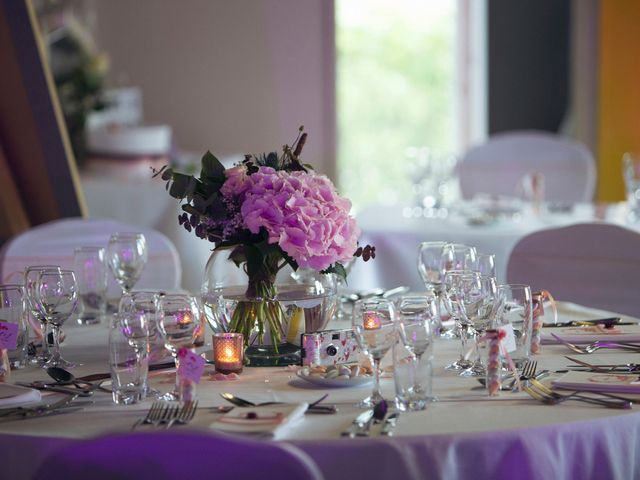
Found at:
[396, 232]
[464, 435]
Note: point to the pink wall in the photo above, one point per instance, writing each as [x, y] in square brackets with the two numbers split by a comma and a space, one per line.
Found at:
[231, 76]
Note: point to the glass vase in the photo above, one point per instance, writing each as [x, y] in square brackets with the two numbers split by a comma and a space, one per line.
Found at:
[271, 312]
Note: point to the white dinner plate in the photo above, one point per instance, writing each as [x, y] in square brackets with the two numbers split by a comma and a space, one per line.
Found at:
[335, 382]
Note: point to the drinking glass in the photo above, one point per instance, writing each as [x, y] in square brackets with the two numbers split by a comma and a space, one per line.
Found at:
[127, 256]
[30, 283]
[374, 322]
[514, 310]
[433, 257]
[57, 297]
[13, 310]
[91, 273]
[461, 257]
[479, 308]
[413, 373]
[456, 286]
[486, 264]
[179, 326]
[128, 370]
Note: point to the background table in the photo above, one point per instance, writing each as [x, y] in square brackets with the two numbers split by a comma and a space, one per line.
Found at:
[396, 233]
[465, 435]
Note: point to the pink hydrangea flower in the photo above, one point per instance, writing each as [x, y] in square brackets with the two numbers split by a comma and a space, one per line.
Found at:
[301, 212]
[236, 183]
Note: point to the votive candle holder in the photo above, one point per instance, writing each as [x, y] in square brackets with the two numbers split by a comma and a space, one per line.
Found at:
[228, 352]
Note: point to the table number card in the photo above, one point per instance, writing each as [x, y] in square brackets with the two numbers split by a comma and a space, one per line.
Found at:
[191, 365]
[8, 335]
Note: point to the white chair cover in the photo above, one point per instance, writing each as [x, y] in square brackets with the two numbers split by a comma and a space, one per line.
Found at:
[53, 244]
[592, 264]
[498, 166]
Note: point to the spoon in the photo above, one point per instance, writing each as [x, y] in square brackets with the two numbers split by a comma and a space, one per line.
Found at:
[65, 377]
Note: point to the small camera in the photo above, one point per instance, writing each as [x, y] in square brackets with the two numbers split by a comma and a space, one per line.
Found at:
[329, 347]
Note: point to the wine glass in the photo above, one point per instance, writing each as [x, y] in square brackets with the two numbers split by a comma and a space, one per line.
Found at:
[433, 257]
[462, 257]
[456, 284]
[179, 326]
[416, 317]
[374, 322]
[57, 297]
[127, 256]
[479, 306]
[486, 264]
[30, 283]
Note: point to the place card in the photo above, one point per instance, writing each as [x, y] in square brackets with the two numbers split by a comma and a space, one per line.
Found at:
[8, 335]
[509, 341]
[190, 366]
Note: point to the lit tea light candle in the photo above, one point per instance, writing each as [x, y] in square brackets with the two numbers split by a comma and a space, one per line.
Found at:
[371, 321]
[184, 319]
[228, 352]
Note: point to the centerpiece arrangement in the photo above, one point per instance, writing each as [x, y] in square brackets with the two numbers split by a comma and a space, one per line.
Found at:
[268, 214]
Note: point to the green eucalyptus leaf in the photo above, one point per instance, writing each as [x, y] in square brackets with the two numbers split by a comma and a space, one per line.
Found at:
[211, 166]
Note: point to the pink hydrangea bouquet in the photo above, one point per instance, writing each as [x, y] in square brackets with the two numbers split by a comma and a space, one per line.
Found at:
[269, 211]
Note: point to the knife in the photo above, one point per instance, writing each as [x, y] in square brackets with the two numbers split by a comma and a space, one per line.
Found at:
[56, 388]
[360, 426]
[38, 413]
[63, 402]
[389, 424]
[606, 322]
[104, 376]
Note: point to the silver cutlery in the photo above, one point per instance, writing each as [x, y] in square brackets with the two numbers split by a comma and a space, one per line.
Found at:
[184, 415]
[544, 394]
[597, 345]
[605, 322]
[153, 415]
[314, 407]
[56, 388]
[612, 368]
[37, 414]
[390, 424]
[39, 410]
[360, 426]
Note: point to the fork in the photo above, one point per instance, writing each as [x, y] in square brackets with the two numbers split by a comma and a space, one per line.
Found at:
[592, 347]
[541, 392]
[613, 368]
[184, 415]
[153, 415]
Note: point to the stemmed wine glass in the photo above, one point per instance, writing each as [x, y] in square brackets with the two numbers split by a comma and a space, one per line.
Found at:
[486, 264]
[127, 256]
[30, 286]
[374, 322]
[180, 326]
[433, 257]
[456, 285]
[416, 318]
[57, 297]
[462, 257]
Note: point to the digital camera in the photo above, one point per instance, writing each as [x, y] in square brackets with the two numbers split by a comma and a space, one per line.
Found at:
[329, 347]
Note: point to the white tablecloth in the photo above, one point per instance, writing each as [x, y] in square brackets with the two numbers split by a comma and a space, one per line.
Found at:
[396, 234]
[465, 435]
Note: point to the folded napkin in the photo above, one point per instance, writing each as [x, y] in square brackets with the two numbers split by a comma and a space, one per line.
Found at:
[599, 382]
[15, 395]
[271, 420]
[568, 311]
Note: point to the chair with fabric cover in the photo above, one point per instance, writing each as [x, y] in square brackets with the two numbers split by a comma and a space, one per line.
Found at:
[177, 455]
[592, 264]
[53, 243]
[498, 166]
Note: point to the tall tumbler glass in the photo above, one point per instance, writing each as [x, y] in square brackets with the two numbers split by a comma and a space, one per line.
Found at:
[515, 312]
[91, 273]
[128, 368]
[13, 311]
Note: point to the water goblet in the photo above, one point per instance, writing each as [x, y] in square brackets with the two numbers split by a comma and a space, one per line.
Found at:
[30, 283]
[433, 257]
[179, 326]
[57, 297]
[486, 264]
[461, 257]
[127, 257]
[374, 322]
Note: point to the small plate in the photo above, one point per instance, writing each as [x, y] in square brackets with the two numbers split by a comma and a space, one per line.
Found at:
[336, 382]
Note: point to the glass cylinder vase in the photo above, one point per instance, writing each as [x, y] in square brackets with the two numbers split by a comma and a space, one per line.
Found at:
[271, 317]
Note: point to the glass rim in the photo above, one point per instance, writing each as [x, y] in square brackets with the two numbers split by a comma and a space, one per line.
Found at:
[12, 286]
[87, 249]
[126, 235]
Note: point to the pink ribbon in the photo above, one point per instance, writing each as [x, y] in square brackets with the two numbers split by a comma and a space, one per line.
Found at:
[496, 347]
